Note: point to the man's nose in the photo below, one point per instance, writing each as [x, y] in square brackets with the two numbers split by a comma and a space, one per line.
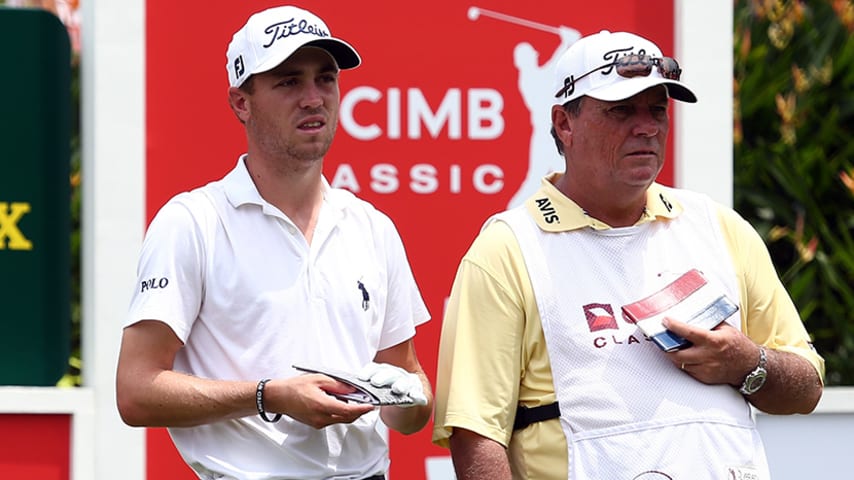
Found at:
[647, 125]
[312, 97]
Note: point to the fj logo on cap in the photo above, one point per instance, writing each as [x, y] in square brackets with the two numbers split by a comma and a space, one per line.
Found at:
[278, 31]
[239, 69]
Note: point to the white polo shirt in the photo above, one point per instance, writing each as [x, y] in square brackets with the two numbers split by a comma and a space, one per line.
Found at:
[238, 284]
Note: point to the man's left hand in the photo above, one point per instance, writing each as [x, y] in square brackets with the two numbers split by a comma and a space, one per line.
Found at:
[717, 356]
[400, 381]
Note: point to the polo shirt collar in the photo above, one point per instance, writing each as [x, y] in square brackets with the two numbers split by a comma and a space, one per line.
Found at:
[239, 187]
[554, 212]
[241, 190]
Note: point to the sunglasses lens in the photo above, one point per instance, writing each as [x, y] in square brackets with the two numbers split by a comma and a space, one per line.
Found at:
[634, 66]
[668, 68]
[630, 66]
[641, 66]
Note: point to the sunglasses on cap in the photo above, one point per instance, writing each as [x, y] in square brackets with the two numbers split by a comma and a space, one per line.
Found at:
[629, 66]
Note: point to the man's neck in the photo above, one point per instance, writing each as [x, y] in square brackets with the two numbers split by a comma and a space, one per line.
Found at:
[614, 208]
[298, 193]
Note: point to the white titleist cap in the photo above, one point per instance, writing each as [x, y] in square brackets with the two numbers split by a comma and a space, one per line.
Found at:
[271, 36]
[615, 66]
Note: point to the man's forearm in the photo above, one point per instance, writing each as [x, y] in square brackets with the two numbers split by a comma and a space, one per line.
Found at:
[793, 385]
[412, 419]
[173, 399]
[476, 457]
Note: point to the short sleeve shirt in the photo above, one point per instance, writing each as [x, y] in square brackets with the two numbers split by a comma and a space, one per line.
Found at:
[236, 281]
[492, 303]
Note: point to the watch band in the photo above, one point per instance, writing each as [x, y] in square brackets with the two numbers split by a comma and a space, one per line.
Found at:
[756, 378]
[763, 357]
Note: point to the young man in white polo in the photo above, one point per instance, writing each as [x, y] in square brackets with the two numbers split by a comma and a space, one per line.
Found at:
[268, 269]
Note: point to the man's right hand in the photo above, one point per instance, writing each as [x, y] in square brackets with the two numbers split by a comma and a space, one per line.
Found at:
[308, 399]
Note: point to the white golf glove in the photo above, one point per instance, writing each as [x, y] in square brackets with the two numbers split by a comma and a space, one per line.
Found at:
[400, 381]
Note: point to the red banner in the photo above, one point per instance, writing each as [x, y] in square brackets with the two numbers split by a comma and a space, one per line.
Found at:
[444, 123]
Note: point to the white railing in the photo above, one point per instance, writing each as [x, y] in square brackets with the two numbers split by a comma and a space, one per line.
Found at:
[798, 446]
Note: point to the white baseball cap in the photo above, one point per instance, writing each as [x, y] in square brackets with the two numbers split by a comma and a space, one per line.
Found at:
[271, 36]
[615, 66]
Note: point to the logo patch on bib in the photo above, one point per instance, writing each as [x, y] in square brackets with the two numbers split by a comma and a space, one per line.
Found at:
[743, 473]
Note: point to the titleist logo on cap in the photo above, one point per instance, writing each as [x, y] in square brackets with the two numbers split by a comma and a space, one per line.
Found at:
[612, 56]
[271, 36]
[287, 28]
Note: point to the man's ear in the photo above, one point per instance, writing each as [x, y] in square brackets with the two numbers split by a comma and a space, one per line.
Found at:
[561, 124]
[239, 101]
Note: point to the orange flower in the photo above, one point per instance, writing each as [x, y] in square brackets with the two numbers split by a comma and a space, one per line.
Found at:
[847, 180]
[845, 10]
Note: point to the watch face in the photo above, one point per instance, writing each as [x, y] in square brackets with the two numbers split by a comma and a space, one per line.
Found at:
[754, 381]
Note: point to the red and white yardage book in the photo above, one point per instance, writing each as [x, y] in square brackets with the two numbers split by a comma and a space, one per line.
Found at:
[690, 299]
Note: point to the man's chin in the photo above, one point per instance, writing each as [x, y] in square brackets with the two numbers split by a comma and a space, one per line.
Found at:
[311, 152]
[643, 176]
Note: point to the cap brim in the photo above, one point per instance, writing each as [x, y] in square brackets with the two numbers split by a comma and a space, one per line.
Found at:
[630, 87]
[343, 53]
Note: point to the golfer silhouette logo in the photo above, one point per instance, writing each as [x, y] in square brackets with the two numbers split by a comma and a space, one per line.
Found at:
[534, 79]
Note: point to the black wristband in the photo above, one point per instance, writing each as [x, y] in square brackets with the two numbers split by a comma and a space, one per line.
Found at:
[259, 403]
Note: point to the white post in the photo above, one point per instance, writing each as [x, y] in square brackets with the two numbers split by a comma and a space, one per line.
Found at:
[704, 130]
[113, 218]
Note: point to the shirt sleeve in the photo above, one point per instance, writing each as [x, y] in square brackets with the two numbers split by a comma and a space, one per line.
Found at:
[480, 351]
[769, 317]
[170, 269]
[405, 308]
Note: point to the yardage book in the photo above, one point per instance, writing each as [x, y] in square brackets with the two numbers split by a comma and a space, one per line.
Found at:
[365, 391]
[690, 299]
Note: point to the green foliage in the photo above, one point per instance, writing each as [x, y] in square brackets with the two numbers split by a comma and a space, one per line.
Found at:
[794, 159]
[73, 378]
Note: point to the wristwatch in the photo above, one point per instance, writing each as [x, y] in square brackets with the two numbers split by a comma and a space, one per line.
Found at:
[755, 379]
